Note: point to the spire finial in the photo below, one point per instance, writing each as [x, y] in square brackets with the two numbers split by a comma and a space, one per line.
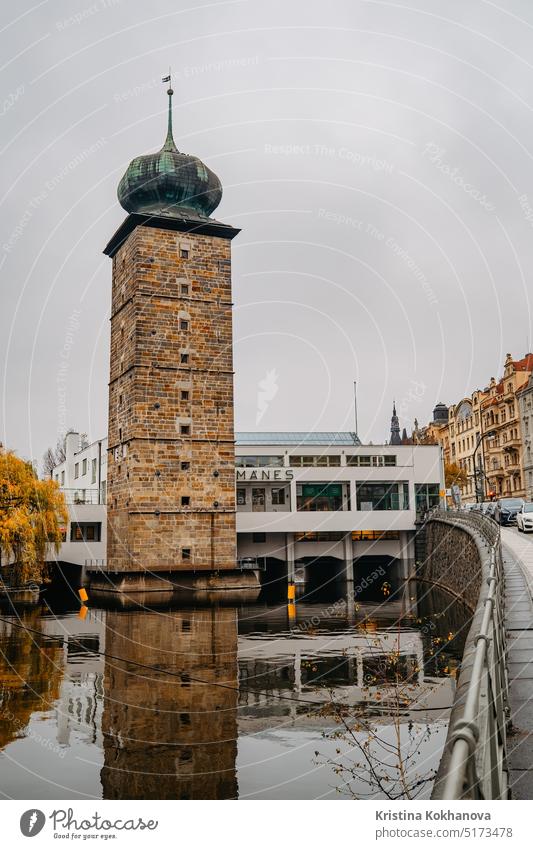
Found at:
[169, 141]
[395, 438]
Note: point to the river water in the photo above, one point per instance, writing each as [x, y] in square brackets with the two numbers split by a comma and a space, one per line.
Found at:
[318, 700]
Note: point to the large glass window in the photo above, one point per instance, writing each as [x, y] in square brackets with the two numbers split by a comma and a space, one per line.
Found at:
[258, 499]
[241, 496]
[427, 495]
[383, 496]
[93, 469]
[278, 495]
[319, 536]
[319, 496]
[371, 460]
[254, 461]
[85, 531]
[375, 535]
[313, 460]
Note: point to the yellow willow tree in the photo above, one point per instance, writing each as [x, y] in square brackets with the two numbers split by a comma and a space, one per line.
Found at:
[32, 512]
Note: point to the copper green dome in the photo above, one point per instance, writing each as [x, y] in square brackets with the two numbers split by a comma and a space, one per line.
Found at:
[169, 183]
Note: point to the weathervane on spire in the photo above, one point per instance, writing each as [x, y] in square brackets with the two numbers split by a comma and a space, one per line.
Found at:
[169, 142]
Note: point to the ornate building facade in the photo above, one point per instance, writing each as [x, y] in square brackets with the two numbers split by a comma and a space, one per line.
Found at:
[496, 464]
[504, 451]
[525, 404]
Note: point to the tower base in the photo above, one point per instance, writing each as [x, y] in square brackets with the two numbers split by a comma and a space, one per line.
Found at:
[152, 589]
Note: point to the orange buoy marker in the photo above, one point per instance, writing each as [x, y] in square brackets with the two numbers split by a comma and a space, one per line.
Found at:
[83, 611]
[291, 611]
[291, 592]
[83, 594]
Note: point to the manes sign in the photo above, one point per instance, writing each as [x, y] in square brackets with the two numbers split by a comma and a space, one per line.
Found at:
[264, 474]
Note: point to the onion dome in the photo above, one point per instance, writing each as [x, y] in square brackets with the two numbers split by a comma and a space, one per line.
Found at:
[169, 183]
[440, 414]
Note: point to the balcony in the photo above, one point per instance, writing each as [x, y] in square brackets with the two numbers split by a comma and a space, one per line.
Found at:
[83, 496]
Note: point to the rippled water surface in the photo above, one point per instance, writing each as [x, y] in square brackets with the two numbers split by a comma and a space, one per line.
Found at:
[322, 700]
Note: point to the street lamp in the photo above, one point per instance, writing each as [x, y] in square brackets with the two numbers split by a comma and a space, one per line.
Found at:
[490, 434]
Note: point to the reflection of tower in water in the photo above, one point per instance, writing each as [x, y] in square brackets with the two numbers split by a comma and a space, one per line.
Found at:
[165, 735]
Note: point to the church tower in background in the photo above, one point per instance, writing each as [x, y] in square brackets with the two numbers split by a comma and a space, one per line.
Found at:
[395, 438]
[171, 473]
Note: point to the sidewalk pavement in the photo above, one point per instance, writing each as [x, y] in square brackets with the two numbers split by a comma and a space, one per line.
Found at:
[518, 565]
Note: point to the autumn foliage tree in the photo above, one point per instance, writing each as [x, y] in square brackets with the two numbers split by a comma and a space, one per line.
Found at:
[454, 474]
[31, 514]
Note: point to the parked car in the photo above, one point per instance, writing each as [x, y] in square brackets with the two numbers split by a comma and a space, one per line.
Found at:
[506, 510]
[524, 517]
[486, 507]
[491, 507]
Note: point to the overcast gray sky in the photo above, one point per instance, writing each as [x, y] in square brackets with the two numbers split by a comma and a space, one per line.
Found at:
[378, 157]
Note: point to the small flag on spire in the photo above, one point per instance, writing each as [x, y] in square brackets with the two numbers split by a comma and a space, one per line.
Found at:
[165, 79]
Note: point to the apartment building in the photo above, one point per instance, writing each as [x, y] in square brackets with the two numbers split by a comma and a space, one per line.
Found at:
[525, 404]
[82, 477]
[504, 452]
[495, 463]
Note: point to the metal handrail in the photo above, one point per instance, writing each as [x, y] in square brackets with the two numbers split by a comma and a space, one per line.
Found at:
[477, 767]
[98, 562]
[252, 563]
[486, 525]
[83, 496]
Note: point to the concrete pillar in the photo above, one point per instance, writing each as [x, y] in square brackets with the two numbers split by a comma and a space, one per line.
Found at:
[289, 557]
[407, 556]
[349, 577]
[348, 558]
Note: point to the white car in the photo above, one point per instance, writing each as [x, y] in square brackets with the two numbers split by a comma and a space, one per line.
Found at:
[524, 517]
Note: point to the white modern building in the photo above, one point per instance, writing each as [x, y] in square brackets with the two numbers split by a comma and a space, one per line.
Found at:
[311, 507]
[82, 477]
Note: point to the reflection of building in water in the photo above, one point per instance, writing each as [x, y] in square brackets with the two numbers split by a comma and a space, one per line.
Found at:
[30, 675]
[82, 693]
[371, 668]
[165, 735]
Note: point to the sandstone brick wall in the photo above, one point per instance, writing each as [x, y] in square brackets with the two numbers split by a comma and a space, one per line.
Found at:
[171, 404]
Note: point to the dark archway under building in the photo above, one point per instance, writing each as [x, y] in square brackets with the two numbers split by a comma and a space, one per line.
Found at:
[273, 579]
[376, 577]
[325, 577]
